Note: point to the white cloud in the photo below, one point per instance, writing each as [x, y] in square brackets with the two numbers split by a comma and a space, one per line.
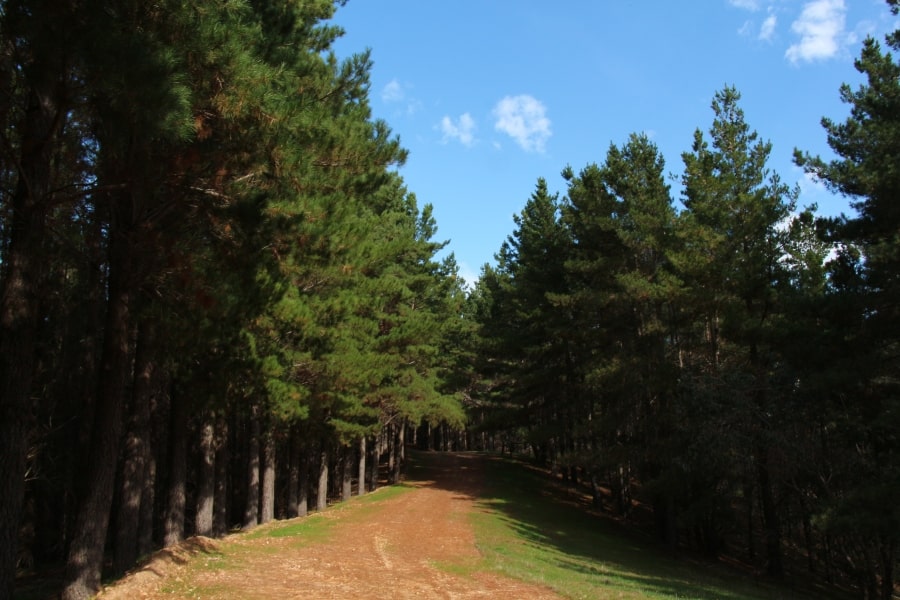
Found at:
[767, 31]
[745, 4]
[810, 186]
[392, 92]
[524, 119]
[463, 130]
[821, 29]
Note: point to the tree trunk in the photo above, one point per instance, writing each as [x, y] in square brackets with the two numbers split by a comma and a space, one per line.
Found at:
[251, 508]
[361, 474]
[145, 543]
[267, 508]
[206, 477]
[397, 453]
[774, 563]
[177, 497]
[303, 485]
[374, 461]
[220, 503]
[42, 121]
[136, 452]
[888, 559]
[295, 454]
[322, 489]
[346, 473]
[389, 437]
[157, 454]
[85, 559]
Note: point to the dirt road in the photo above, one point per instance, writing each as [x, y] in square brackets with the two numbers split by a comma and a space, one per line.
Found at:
[418, 544]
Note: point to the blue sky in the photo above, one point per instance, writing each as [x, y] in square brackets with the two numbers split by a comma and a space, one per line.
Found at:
[490, 95]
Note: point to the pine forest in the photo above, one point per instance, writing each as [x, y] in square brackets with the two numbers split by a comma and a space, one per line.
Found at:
[220, 305]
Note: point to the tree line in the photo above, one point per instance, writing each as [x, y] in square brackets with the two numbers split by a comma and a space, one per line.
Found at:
[219, 305]
[218, 300]
[730, 360]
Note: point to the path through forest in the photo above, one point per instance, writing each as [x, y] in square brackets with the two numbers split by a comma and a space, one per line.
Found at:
[417, 544]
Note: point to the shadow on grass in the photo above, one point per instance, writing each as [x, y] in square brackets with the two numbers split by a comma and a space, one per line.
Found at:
[527, 531]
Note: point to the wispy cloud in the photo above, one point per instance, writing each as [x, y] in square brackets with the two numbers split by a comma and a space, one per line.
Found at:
[745, 4]
[821, 30]
[392, 92]
[767, 31]
[524, 119]
[463, 130]
[395, 92]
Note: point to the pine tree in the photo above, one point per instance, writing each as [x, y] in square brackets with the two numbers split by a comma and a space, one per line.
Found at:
[534, 364]
[734, 238]
[865, 289]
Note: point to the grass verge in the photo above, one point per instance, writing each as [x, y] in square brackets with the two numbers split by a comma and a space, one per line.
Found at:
[525, 532]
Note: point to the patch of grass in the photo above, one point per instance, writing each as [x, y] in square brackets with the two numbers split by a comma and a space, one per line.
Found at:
[208, 561]
[316, 527]
[527, 534]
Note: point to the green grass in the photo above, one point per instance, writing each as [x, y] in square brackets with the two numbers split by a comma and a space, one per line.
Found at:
[525, 533]
[317, 527]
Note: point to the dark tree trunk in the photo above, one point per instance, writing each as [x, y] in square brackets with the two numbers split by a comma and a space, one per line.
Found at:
[295, 455]
[18, 308]
[177, 497]
[888, 559]
[267, 508]
[220, 504]
[145, 543]
[85, 558]
[774, 563]
[136, 452]
[397, 453]
[596, 496]
[251, 508]
[361, 474]
[346, 473]
[322, 488]
[150, 533]
[206, 477]
[303, 485]
[374, 461]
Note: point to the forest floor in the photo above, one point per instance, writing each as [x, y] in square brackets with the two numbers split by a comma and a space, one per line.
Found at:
[409, 541]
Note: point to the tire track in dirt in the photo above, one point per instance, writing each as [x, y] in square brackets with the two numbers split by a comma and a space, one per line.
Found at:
[398, 547]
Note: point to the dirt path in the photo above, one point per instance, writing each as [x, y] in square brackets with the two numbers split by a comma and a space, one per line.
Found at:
[398, 547]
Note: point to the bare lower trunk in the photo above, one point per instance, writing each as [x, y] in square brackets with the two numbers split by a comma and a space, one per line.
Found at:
[85, 558]
[251, 509]
[267, 508]
[206, 478]
[136, 454]
[322, 489]
[346, 473]
[220, 504]
[374, 461]
[295, 454]
[303, 485]
[361, 474]
[145, 543]
[157, 454]
[774, 563]
[177, 498]
[397, 453]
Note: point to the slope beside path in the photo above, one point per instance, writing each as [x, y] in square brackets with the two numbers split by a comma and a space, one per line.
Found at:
[415, 544]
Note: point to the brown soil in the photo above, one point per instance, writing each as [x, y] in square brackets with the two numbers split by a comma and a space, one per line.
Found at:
[419, 544]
